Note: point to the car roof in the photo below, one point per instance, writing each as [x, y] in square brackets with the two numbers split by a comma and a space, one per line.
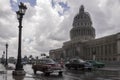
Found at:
[48, 60]
[79, 59]
[76, 59]
[45, 59]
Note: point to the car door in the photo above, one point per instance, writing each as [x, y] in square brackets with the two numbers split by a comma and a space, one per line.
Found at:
[75, 64]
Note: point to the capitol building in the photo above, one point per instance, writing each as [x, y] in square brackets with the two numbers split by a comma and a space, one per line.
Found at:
[84, 45]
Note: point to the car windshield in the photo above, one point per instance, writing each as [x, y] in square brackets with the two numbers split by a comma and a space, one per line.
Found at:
[46, 61]
[92, 61]
[80, 60]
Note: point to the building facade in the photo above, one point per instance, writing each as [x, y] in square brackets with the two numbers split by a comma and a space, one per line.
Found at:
[83, 44]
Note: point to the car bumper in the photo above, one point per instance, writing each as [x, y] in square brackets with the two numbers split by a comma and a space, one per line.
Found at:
[88, 68]
[53, 71]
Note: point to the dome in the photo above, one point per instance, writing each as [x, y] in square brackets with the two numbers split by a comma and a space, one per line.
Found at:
[82, 26]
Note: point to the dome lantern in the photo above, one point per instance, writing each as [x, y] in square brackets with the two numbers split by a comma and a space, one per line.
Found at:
[82, 8]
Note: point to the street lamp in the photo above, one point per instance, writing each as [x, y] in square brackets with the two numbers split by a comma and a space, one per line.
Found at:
[19, 66]
[6, 64]
[3, 58]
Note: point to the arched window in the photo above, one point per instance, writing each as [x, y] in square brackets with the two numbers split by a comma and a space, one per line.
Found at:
[81, 23]
[81, 17]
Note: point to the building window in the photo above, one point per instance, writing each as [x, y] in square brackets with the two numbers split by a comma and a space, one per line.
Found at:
[81, 23]
[105, 59]
[78, 24]
[114, 59]
[81, 17]
[109, 59]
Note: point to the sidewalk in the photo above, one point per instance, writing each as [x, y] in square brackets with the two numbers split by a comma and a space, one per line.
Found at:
[7, 74]
[2, 69]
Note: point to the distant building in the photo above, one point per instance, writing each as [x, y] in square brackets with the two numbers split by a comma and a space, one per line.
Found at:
[56, 54]
[84, 45]
[12, 60]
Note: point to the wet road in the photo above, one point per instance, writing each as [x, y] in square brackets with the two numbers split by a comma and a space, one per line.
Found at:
[102, 74]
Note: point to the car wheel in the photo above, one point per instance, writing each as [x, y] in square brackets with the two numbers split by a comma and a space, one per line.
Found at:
[47, 74]
[68, 67]
[76, 68]
[103, 66]
[83, 69]
[60, 73]
[99, 66]
[35, 71]
[90, 69]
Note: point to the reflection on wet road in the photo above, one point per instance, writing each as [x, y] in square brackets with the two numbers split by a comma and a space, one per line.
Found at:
[67, 75]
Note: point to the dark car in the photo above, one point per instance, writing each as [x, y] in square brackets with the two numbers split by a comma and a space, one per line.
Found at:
[96, 64]
[24, 62]
[47, 66]
[78, 64]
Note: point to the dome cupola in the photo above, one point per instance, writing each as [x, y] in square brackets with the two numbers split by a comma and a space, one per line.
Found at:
[82, 26]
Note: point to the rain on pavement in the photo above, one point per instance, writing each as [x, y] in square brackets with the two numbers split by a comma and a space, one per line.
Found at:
[107, 74]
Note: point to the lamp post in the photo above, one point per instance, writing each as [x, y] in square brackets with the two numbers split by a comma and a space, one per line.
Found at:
[19, 67]
[3, 58]
[6, 64]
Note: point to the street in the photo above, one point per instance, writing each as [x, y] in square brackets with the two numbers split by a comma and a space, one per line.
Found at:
[98, 74]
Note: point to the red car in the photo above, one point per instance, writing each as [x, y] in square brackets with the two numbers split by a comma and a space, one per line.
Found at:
[47, 66]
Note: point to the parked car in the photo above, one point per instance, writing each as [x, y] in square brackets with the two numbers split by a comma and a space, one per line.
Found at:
[47, 66]
[78, 64]
[96, 64]
[24, 62]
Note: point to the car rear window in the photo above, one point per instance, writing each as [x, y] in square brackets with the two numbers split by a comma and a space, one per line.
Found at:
[46, 61]
[82, 61]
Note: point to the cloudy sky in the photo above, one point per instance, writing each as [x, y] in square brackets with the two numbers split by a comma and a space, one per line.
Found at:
[47, 23]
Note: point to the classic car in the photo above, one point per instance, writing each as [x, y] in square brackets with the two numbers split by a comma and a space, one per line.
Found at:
[78, 63]
[47, 66]
[96, 64]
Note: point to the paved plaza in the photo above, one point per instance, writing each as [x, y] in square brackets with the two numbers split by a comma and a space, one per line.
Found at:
[107, 73]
